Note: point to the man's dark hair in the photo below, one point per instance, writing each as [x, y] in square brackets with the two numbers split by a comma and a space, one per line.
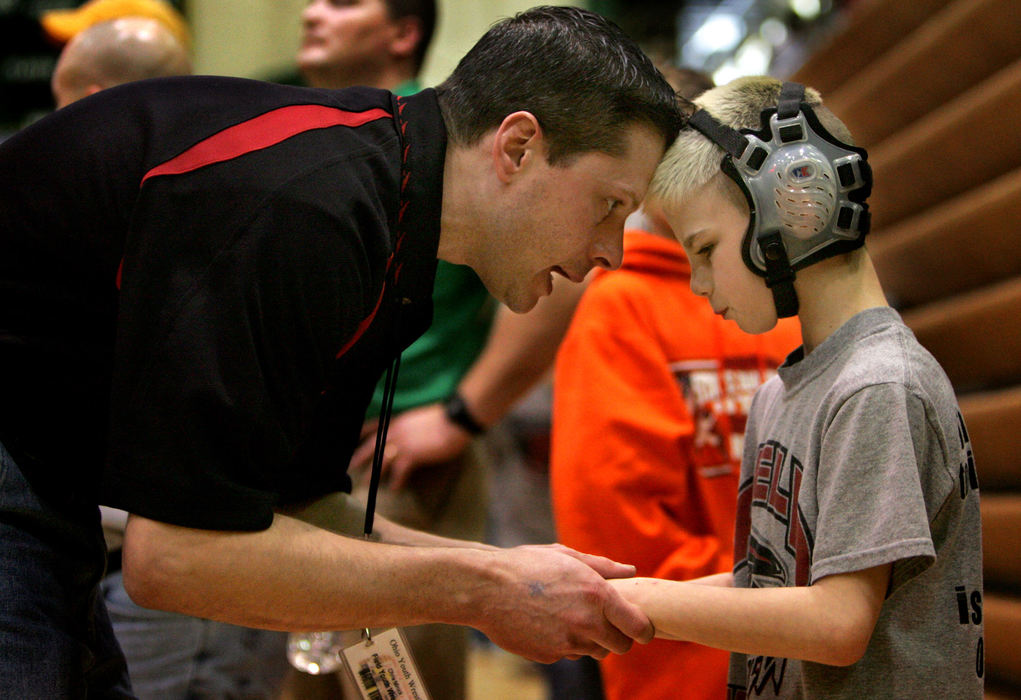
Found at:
[576, 71]
[425, 11]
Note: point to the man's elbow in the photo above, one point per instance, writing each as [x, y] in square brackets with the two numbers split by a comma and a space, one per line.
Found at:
[148, 569]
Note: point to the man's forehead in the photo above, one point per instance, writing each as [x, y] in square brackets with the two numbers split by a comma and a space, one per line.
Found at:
[635, 166]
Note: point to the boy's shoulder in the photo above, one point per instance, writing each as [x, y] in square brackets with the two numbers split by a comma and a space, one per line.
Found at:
[873, 348]
[888, 351]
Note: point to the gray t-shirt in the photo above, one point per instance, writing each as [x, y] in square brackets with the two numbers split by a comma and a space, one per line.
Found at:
[857, 456]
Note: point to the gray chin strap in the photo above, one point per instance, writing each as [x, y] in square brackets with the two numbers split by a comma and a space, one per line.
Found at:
[806, 191]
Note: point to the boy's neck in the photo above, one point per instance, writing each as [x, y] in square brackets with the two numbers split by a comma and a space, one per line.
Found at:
[831, 292]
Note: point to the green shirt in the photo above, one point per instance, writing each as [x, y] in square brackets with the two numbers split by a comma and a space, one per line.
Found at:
[462, 313]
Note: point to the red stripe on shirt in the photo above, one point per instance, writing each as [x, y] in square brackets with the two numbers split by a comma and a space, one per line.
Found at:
[262, 132]
[363, 326]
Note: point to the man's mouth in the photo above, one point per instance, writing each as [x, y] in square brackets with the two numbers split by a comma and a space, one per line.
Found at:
[563, 273]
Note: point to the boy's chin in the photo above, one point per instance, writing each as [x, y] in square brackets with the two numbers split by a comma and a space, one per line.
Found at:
[757, 326]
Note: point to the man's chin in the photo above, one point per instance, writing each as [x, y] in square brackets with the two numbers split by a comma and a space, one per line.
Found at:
[521, 304]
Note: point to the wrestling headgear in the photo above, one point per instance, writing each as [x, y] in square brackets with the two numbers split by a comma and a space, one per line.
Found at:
[806, 191]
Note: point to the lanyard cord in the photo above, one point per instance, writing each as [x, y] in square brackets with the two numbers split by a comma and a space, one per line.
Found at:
[389, 386]
[390, 383]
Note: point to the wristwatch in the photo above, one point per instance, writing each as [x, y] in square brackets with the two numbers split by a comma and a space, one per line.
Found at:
[457, 413]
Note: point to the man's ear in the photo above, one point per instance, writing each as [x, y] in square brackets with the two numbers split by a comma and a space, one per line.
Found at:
[407, 36]
[519, 141]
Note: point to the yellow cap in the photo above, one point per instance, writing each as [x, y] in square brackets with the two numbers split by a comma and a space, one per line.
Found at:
[61, 25]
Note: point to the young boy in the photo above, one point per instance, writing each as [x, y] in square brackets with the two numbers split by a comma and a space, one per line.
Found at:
[650, 400]
[857, 567]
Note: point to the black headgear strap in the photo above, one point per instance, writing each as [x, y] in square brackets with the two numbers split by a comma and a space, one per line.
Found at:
[791, 97]
[779, 273]
[730, 140]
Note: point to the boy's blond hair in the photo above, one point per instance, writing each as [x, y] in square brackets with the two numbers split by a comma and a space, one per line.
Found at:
[693, 160]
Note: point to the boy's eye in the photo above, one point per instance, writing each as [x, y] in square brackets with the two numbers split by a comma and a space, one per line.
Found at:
[706, 250]
[612, 204]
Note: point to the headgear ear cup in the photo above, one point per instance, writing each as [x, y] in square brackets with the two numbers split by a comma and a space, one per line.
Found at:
[805, 189]
[804, 194]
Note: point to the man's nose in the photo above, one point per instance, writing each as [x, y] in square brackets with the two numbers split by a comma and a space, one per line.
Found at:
[310, 13]
[608, 251]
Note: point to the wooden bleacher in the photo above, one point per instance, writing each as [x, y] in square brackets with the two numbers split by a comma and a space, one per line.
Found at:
[932, 88]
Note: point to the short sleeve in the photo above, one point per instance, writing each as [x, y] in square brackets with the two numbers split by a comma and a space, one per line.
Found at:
[221, 362]
[871, 507]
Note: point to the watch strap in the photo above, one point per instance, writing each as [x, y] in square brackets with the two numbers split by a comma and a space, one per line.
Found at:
[458, 414]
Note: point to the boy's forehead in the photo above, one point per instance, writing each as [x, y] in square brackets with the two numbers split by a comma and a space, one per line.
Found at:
[705, 209]
[683, 222]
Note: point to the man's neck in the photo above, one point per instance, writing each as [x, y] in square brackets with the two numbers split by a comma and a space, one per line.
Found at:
[465, 189]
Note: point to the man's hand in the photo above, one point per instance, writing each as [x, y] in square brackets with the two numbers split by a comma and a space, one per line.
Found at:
[554, 602]
[416, 438]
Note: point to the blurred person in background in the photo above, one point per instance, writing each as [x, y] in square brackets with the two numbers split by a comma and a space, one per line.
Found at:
[377, 43]
[382, 44]
[115, 52]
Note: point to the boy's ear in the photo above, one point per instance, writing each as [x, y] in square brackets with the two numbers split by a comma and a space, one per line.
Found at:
[519, 141]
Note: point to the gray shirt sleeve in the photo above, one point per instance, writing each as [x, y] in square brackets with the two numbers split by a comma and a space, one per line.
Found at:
[872, 510]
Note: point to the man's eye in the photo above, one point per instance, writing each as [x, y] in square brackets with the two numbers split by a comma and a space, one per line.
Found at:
[612, 204]
[706, 250]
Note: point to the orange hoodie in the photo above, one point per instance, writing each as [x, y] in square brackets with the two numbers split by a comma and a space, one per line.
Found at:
[650, 397]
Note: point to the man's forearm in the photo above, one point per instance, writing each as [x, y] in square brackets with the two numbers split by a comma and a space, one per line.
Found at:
[294, 576]
[394, 533]
[541, 602]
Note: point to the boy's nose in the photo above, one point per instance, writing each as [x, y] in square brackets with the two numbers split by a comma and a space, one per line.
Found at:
[699, 283]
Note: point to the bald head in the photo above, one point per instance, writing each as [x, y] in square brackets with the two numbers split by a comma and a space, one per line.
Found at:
[115, 52]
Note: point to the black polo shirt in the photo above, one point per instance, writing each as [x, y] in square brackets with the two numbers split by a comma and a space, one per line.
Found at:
[201, 281]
